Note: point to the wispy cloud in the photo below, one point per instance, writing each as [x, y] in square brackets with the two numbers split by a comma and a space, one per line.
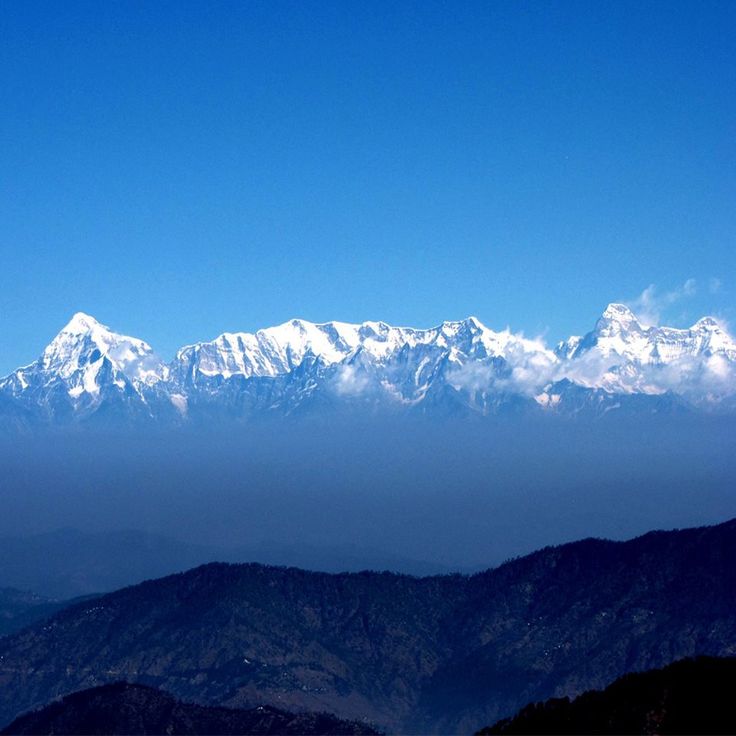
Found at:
[526, 367]
[714, 285]
[349, 381]
[650, 304]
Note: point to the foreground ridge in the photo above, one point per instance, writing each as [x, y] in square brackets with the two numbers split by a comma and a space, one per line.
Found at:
[122, 708]
[687, 697]
[443, 654]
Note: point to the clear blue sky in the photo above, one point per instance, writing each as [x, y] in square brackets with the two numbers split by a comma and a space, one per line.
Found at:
[180, 169]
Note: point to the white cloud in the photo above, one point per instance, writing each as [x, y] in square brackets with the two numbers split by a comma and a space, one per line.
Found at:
[526, 370]
[650, 304]
[696, 377]
[472, 376]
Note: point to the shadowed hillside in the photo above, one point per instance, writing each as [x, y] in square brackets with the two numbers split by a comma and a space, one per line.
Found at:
[19, 608]
[121, 708]
[687, 697]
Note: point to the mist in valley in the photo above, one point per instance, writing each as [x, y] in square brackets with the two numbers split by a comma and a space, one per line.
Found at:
[415, 496]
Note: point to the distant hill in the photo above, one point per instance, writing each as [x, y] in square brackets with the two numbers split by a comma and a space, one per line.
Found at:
[66, 563]
[688, 697]
[444, 654]
[121, 708]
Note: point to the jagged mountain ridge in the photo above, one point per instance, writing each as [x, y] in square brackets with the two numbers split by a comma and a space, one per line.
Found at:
[88, 371]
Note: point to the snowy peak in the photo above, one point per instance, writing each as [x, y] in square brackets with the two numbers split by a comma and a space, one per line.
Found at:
[291, 342]
[278, 350]
[85, 342]
[85, 364]
[709, 337]
[706, 323]
[471, 325]
[269, 352]
[618, 311]
[710, 329]
[617, 317]
[82, 323]
[618, 332]
[621, 356]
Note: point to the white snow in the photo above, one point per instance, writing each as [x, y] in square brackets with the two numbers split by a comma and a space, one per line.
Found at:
[374, 359]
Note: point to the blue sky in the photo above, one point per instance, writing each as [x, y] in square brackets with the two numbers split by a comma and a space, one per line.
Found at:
[181, 169]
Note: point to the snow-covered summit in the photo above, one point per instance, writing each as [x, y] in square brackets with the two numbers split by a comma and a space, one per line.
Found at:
[81, 323]
[618, 333]
[84, 343]
[268, 352]
[618, 316]
[620, 355]
[84, 363]
[277, 350]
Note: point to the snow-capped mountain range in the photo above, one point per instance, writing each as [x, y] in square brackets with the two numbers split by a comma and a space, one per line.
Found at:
[89, 373]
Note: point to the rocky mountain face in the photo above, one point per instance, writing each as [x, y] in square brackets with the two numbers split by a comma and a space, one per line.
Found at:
[121, 708]
[689, 696]
[439, 654]
[90, 374]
